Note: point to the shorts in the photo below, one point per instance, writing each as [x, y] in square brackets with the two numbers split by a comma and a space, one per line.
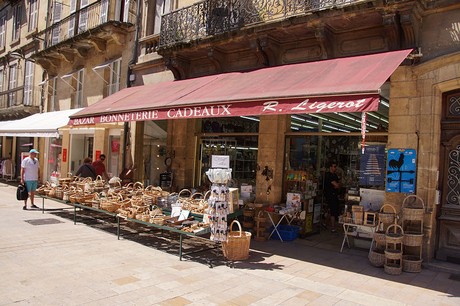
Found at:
[334, 206]
[31, 185]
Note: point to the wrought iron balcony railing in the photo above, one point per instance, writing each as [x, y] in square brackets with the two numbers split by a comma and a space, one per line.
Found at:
[213, 17]
[81, 21]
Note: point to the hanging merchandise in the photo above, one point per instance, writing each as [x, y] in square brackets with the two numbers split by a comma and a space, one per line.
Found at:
[218, 203]
[363, 131]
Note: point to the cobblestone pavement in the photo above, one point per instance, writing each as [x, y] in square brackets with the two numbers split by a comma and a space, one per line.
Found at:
[46, 259]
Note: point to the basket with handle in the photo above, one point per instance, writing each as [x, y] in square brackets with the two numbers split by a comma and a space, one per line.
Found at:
[387, 217]
[237, 245]
[413, 208]
[394, 234]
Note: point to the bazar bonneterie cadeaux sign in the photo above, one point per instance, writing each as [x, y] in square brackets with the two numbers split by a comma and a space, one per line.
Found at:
[292, 106]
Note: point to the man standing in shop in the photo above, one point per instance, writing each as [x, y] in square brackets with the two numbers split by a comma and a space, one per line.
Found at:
[331, 192]
[100, 167]
[30, 172]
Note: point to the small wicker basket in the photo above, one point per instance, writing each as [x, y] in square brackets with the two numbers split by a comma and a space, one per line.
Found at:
[393, 269]
[395, 235]
[387, 217]
[379, 237]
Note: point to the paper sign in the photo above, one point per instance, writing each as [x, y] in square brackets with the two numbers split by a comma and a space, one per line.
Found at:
[220, 161]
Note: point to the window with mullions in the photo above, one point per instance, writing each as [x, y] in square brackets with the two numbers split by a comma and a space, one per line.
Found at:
[28, 83]
[114, 80]
[12, 84]
[52, 95]
[2, 30]
[79, 89]
[17, 21]
[33, 12]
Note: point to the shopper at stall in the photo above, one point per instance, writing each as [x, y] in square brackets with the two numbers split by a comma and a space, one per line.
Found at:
[331, 192]
[30, 172]
[100, 167]
[87, 169]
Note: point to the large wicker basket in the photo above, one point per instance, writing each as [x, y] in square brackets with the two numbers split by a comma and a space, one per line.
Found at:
[413, 208]
[237, 245]
[412, 238]
[412, 264]
[377, 257]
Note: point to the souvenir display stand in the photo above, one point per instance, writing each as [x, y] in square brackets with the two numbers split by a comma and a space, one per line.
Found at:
[218, 203]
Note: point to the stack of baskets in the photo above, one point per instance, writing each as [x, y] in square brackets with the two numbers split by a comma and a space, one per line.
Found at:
[386, 217]
[394, 249]
[413, 210]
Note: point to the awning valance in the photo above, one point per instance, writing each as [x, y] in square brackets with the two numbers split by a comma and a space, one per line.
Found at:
[38, 125]
[338, 85]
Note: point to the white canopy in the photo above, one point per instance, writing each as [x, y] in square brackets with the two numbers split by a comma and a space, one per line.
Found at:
[37, 125]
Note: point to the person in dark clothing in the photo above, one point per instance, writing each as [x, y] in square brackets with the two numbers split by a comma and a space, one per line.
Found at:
[86, 169]
[331, 192]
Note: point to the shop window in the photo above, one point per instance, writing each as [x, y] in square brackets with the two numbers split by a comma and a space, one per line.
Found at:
[310, 156]
[242, 151]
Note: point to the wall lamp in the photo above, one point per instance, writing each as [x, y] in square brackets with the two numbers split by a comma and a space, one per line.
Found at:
[19, 55]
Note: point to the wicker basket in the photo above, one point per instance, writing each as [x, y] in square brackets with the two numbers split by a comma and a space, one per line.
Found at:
[377, 257]
[412, 264]
[395, 235]
[411, 209]
[379, 237]
[237, 245]
[392, 269]
[393, 254]
[387, 217]
[413, 238]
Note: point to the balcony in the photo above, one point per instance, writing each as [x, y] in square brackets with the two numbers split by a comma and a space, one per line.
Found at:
[89, 28]
[208, 18]
[12, 104]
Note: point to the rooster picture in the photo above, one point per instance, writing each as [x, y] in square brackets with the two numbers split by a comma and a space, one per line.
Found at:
[396, 163]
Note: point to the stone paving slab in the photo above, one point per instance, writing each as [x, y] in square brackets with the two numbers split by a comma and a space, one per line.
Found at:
[67, 264]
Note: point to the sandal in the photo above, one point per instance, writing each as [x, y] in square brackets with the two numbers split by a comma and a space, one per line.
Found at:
[34, 206]
[24, 207]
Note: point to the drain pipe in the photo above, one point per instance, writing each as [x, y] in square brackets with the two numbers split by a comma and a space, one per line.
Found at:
[126, 127]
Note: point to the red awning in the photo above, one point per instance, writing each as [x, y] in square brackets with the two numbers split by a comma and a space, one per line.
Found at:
[339, 85]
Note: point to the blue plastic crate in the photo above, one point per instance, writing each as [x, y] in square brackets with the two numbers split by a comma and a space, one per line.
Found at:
[287, 232]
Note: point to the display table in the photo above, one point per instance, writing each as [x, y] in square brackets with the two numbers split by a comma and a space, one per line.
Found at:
[161, 227]
[288, 217]
[43, 197]
[357, 231]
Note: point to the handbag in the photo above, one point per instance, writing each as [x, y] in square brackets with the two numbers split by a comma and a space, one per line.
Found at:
[22, 193]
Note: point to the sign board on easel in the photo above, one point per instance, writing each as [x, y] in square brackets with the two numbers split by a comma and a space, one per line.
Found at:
[220, 161]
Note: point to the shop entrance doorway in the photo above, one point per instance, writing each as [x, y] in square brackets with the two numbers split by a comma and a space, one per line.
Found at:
[449, 214]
